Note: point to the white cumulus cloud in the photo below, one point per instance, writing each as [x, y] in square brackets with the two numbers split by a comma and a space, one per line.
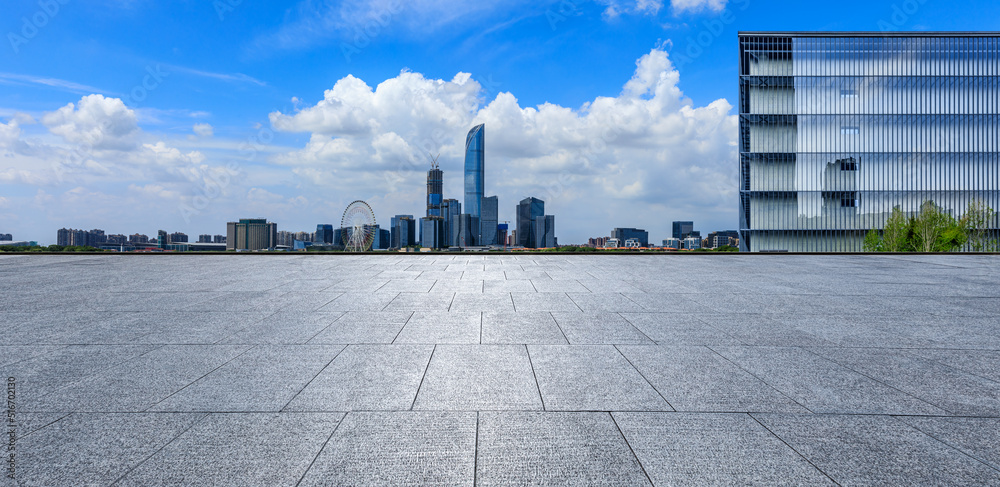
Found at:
[203, 130]
[635, 159]
[96, 121]
[697, 5]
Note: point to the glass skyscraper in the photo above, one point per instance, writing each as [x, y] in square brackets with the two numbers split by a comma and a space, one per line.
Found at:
[475, 178]
[837, 129]
[528, 211]
[490, 212]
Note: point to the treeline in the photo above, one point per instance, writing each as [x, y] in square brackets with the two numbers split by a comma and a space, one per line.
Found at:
[935, 230]
[50, 248]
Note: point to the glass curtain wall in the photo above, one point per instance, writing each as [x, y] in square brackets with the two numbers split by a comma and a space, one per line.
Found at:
[836, 130]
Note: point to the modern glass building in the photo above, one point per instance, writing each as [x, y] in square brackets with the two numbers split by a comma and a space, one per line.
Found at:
[402, 231]
[324, 235]
[450, 210]
[682, 230]
[837, 129]
[490, 215]
[475, 177]
[529, 210]
[623, 234]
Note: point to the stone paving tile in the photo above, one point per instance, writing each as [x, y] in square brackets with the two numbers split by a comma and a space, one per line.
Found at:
[667, 303]
[364, 327]
[201, 328]
[284, 328]
[439, 327]
[239, 449]
[599, 328]
[533, 302]
[876, 450]
[984, 363]
[698, 379]
[496, 302]
[458, 286]
[264, 378]
[509, 286]
[139, 383]
[604, 302]
[824, 386]
[367, 378]
[478, 377]
[407, 286]
[764, 330]
[559, 286]
[675, 329]
[524, 328]
[399, 448]
[713, 449]
[421, 302]
[591, 378]
[95, 449]
[360, 301]
[948, 388]
[977, 437]
[10, 354]
[519, 448]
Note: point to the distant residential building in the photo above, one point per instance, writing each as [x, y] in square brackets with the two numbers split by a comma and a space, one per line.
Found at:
[489, 222]
[403, 232]
[451, 209]
[251, 234]
[80, 238]
[286, 239]
[723, 238]
[204, 238]
[692, 243]
[138, 238]
[178, 237]
[672, 243]
[596, 243]
[324, 234]
[219, 239]
[625, 234]
[6, 237]
[117, 240]
[528, 211]
[432, 232]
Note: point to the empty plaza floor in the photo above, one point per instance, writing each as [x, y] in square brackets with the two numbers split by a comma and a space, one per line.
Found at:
[473, 369]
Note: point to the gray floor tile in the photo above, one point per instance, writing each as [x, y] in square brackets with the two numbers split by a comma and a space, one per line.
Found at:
[535, 302]
[439, 327]
[479, 377]
[265, 378]
[422, 302]
[591, 378]
[713, 449]
[367, 378]
[496, 302]
[598, 328]
[521, 328]
[360, 301]
[977, 437]
[876, 450]
[678, 329]
[364, 327]
[698, 379]
[95, 449]
[509, 286]
[239, 449]
[516, 448]
[401, 448]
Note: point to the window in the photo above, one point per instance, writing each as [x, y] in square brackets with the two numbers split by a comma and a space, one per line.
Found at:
[849, 164]
[850, 130]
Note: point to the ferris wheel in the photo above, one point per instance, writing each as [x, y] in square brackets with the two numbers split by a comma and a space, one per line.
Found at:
[358, 226]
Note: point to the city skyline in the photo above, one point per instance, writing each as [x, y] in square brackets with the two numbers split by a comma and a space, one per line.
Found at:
[290, 122]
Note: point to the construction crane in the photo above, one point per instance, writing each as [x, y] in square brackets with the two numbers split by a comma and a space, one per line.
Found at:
[434, 160]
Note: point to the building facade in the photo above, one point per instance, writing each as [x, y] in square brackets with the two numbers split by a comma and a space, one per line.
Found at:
[545, 232]
[251, 234]
[488, 232]
[624, 234]
[432, 232]
[528, 210]
[403, 231]
[324, 235]
[683, 230]
[838, 129]
[450, 210]
[435, 191]
[475, 177]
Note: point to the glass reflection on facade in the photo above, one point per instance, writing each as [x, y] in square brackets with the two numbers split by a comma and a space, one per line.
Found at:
[475, 175]
[837, 129]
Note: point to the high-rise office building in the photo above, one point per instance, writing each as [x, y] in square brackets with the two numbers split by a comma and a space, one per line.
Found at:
[450, 210]
[251, 234]
[529, 210]
[544, 232]
[6, 237]
[432, 232]
[682, 230]
[489, 222]
[435, 191]
[465, 231]
[838, 129]
[403, 231]
[623, 234]
[475, 177]
[324, 234]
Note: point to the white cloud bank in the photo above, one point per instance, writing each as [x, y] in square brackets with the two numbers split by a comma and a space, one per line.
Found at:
[642, 158]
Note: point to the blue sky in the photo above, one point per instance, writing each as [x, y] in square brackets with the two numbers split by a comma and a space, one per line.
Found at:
[188, 114]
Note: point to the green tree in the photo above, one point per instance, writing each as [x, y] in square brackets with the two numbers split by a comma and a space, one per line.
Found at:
[873, 242]
[895, 236]
[976, 224]
[935, 230]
